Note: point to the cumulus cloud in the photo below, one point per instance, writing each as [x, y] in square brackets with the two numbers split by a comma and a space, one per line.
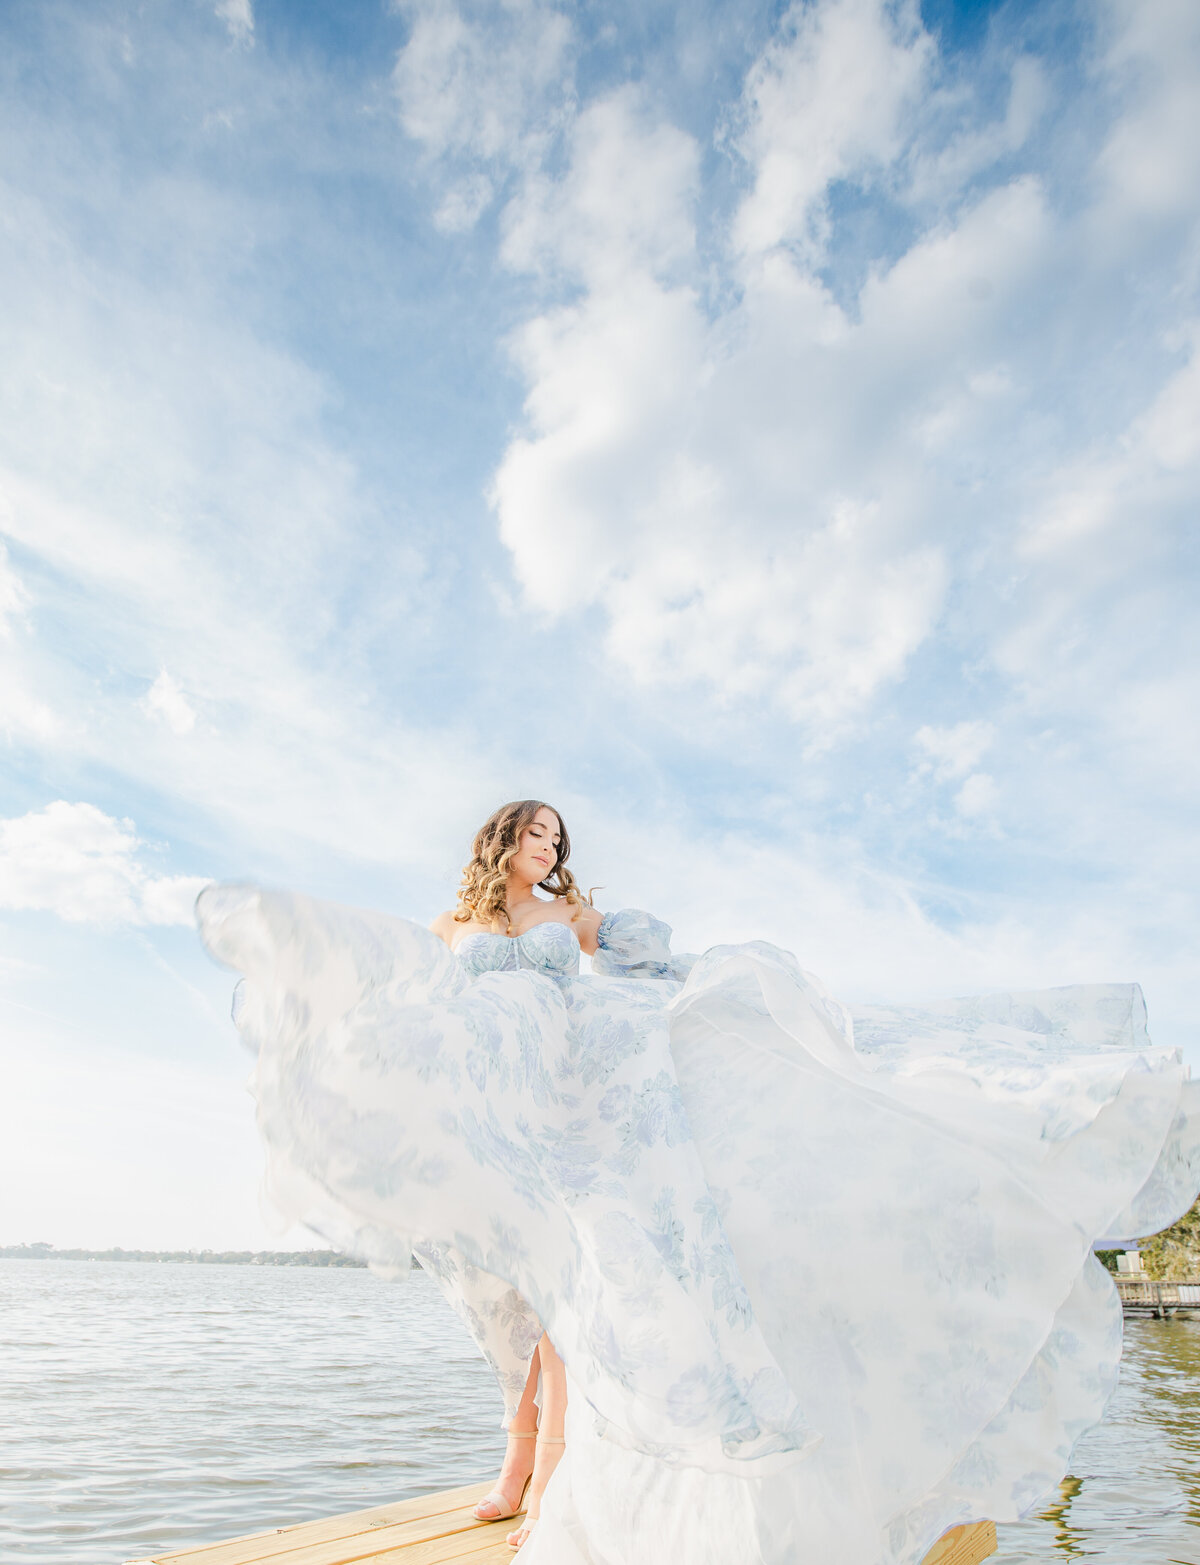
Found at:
[73, 860]
[704, 478]
[775, 463]
[166, 703]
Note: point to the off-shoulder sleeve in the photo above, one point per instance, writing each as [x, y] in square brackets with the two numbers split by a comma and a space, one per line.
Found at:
[633, 944]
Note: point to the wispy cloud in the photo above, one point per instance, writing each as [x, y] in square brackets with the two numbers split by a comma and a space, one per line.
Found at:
[165, 702]
[238, 16]
[952, 752]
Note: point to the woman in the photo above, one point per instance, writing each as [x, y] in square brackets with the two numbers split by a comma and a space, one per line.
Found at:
[820, 1284]
[519, 848]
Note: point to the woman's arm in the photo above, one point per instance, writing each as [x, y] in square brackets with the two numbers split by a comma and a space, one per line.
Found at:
[585, 927]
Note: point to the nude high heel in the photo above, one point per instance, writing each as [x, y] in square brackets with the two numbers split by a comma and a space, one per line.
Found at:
[522, 1532]
[495, 1498]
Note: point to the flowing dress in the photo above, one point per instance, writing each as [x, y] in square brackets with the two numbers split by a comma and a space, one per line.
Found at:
[821, 1278]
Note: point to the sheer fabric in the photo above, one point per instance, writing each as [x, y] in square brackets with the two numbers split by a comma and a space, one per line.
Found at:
[822, 1281]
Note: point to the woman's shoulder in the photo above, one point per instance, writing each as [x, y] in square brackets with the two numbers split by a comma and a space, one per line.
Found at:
[447, 927]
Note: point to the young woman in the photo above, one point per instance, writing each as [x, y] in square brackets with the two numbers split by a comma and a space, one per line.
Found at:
[520, 849]
[801, 1286]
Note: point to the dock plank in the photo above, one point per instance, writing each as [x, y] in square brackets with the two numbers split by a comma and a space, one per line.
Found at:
[448, 1511]
[439, 1529]
[477, 1545]
[965, 1545]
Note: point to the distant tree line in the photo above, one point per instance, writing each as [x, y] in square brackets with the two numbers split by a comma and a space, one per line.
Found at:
[47, 1252]
[1170, 1256]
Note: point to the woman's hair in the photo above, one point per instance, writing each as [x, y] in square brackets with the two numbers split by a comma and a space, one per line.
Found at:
[485, 879]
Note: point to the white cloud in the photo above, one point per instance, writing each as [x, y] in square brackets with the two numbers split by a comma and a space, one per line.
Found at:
[936, 171]
[774, 491]
[1149, 164]
[73, 860]
[191, 512]
[238, 16]
[13, 596]
[952, 752]
[166, 703]
[739, 492]
[23, 715]
[464, 203]
[827, 100]
[874, 935]
[627, 208]
[977, 796]
[1127, 484]
[481, 87]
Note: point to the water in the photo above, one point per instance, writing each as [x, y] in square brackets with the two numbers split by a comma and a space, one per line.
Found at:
[146, 1407]
[1134, 1495]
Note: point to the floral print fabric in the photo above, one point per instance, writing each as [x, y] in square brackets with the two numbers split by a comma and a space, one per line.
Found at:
[822, 1281]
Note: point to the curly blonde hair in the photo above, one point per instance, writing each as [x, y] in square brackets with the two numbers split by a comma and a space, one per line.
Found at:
[482, 894]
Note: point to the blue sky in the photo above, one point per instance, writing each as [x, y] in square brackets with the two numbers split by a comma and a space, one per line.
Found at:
[770, 432]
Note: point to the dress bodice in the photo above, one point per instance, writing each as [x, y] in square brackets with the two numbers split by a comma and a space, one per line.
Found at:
[629, 944]
[549, 947]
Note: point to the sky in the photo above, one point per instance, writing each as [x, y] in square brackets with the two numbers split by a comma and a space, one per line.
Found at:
[770, 432]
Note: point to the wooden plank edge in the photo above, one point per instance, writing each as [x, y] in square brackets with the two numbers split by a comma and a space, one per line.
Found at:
[479, 1545]
[417, 1533]
[965, 1545]
[328, 1529]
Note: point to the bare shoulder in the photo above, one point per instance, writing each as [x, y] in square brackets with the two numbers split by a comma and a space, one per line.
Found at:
[443, 927]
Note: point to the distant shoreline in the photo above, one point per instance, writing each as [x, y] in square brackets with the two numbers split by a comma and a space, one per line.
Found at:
[47, 1252]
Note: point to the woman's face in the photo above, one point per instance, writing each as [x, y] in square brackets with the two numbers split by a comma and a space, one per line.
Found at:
[537, 853]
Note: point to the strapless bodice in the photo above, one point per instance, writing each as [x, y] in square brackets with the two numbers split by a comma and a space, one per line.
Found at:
[629, 944]
[548, 947]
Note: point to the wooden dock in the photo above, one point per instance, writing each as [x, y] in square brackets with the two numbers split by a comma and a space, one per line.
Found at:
[1143, 1296]
[439, 1528]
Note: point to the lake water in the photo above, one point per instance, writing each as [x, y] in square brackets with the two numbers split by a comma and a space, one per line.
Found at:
[144, 1407]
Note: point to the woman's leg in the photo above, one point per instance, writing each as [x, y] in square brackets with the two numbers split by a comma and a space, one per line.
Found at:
[518, 1458]
[550, 1432]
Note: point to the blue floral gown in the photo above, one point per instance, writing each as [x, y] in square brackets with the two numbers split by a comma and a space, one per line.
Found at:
[822, 1280]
